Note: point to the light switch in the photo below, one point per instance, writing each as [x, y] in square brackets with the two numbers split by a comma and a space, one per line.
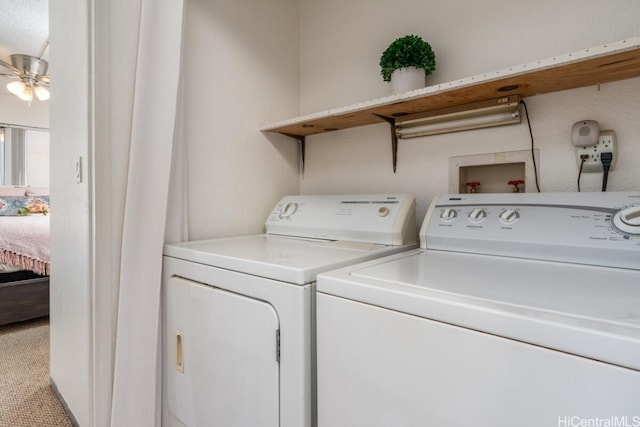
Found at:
[79, 170]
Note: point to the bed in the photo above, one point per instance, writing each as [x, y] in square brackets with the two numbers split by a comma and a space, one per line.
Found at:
[24, 255]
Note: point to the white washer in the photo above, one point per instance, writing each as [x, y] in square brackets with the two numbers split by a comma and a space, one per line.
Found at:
[517, 310]
[239, 327]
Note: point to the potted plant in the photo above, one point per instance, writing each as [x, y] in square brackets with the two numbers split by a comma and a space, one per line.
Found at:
[407, 57]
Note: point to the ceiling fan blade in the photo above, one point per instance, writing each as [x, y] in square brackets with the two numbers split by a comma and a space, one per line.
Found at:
[11, 76]
[10, 67]
[41, 83]
[44, 78]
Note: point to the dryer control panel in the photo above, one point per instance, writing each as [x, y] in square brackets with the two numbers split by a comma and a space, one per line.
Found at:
[585, 228]
[387, 219]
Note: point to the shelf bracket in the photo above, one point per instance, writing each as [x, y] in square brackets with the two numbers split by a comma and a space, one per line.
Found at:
[394, 138]
[301, 149]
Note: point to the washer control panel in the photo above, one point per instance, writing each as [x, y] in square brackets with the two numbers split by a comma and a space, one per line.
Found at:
[372, 218]
[587, 228]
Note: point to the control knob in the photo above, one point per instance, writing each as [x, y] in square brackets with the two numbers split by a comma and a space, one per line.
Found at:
[448, 214]
[288, 209]
[477, 215]
[383, 211]
[509, 216]
[628, 220]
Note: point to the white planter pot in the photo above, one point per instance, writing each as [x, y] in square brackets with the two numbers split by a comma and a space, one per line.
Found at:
[406, 79]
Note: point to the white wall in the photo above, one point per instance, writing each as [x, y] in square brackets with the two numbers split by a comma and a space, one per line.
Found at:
[241, 71]
[70, 207]
[17, 112]
[341, 44]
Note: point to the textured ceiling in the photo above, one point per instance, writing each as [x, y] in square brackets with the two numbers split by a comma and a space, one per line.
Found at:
[24, 27]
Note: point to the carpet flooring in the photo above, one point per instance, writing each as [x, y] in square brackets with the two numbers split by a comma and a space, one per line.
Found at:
[26, 398]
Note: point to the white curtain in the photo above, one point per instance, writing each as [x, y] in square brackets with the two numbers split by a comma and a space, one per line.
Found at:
[154, 149]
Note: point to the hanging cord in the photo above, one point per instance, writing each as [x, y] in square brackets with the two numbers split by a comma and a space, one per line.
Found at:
[533, 153]
[582, 160]
[606, 159]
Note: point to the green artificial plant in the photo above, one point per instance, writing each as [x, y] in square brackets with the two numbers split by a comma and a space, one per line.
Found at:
[407, 51]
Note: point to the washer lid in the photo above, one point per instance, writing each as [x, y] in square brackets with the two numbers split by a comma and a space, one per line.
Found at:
[286, 259]
[584, 310]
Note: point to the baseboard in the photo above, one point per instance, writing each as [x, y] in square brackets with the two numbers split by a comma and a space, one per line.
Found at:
[54, 387]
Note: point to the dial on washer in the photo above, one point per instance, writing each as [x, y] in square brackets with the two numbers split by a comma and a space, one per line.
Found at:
[509, 216]
[477, 215]
[448, 214]
[628, 220]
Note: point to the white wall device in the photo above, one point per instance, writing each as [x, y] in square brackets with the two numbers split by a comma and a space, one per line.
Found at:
[585, 133]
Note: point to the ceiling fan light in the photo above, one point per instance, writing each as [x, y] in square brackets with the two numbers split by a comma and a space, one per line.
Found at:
[33, 78]
[22, 90]
[16, 88]
[27, 95]
[42, 93]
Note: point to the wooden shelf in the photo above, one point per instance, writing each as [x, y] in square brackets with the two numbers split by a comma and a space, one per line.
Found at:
[611, 62]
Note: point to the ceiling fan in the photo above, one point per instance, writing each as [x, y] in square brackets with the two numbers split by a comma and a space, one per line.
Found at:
[31, 75]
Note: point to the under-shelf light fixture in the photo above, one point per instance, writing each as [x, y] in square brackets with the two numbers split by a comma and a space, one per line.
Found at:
[495, 112]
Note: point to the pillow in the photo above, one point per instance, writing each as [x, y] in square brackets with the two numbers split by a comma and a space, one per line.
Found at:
[13, 191]
[23, 205]
[36, 191]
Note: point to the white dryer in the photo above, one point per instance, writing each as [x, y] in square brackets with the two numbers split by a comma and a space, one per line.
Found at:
[517, 310]
[239, 335]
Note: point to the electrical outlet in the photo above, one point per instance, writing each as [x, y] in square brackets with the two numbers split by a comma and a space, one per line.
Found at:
[591, 155]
